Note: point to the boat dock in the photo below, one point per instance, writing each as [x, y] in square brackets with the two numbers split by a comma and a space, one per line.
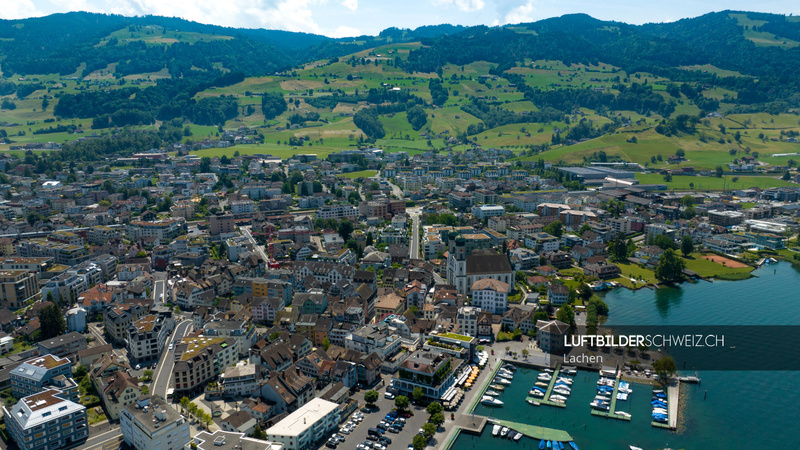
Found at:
[546, 399]
[535, 432]
[673, 395]
[612, 412]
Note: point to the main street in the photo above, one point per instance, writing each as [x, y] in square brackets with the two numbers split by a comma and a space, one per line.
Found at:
[259, 249]
[163, 372]
[103, 438]
[414, 247]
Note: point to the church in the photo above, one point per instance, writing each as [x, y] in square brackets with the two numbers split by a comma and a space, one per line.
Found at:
[463, 270]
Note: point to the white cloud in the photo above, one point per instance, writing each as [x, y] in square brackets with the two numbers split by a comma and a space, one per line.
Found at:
[463, 5]
[519, 14]
[352, 5]
[344, 31]
[19, 9]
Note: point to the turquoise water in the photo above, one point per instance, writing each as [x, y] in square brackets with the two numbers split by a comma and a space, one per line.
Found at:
[725, 419]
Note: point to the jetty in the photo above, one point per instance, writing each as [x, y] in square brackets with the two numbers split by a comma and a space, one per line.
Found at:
[536, 432]
[612, 411]
[546, 399]
[673, 396]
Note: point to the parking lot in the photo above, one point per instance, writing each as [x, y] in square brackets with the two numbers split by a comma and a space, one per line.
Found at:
[400, 441]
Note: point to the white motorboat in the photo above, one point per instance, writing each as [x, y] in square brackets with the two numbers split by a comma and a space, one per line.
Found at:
[548, 370]
[623, 414]
[510, 367]
[562, 386]
[497, 387]
[488, 400]
[561, 391]
[502, 381]
[564, 380]
[660, 410]
[496, 430]
[600, 405]
[558, 397]
[517, 436]
[504, 432]
[534, 403]
[542, 384]
[506, 375]
[633, 447]
[492, 393]
[569, 371]
[622, 396]
[545, 377]
[536, 393]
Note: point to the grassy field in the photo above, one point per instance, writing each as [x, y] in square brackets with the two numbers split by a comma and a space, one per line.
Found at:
[360, 174]
[713, 183]
[708, 269]
[636, 272]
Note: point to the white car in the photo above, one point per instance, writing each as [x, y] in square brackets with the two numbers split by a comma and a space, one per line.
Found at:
[389, 395]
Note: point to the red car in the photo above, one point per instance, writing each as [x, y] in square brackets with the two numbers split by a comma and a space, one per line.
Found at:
[405, 414]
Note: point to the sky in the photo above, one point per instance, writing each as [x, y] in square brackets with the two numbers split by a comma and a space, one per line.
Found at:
[341, 18]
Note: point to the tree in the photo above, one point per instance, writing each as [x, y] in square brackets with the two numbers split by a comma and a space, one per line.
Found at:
[370, 397]
[345, 229]
[80, 372]
[555, 228]
[326, 343]
[259, 434]
[786, 176]
[719, 171]
[145, 390]
[401, 402]
[433, 408]
[417, 394]
[687, 246]
[272, 105]
[370, 239]
[566, 314]
[584, 228]
[585, 292]
[437, 419]
[670, 266]
[429, 430]
[51, 321]
[184, 402]
[419, 442]
[619, 248]
[665, 368]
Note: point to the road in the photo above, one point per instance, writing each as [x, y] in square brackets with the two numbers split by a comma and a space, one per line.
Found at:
[259, 248]
[103, 440]
[396, 190]
[414, 247]
[163, 372]
[159, 288]
[98, 335]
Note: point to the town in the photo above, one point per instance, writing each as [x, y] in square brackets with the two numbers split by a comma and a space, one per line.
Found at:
[170, 301]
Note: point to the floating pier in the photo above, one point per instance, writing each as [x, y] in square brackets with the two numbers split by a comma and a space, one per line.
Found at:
[612, 411]
[536, 432]
[546, 399]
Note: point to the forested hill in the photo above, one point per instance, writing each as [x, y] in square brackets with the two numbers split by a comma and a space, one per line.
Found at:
[753, 44]
[60, 43]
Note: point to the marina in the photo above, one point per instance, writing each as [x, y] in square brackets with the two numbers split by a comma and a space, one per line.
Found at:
[547, 399]
[612, 411]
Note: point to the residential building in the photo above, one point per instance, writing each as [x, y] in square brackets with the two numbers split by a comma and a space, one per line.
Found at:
[374, 338]
[152, 424]
[66, 344]
[221, 224]
[148, 336]
[227, 440]
[725, 218]
[486, 211]
[490, 295]
[557, 294]
[201, 359]
[550, 335]
[467, 320]
[163, 230]
[241, 380]
[119, 317]
[603, 271]
[46, 420]
[243, 331]
[307, 426]
[17, 287]
[117, 391]
[430, 370]
[34, 375]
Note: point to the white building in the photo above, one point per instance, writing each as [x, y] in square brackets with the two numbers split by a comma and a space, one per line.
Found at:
[148, 336]
[46, 420]
[240, 380]
[303, 428]
[152, 424]
[76, 319]
[230, 440]
[491, 295]
[243, 206]
[337, 212]
[486, 211]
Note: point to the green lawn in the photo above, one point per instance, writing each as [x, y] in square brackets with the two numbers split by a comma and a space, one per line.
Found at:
[634, 271]
[360, 174]
[713, 183]
[707, 269]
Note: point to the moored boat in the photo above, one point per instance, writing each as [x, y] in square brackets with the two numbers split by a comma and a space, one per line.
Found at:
[517, 436]
[497, 387]
[531, 402]
[542, 444]
[492, 393]
[573, 445]
[496, 430]
[622, 414]
[502, 381]
[488, 400]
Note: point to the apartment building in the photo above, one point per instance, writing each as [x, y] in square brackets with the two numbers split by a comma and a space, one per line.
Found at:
[148, 335]
[200, 359]
[16, 287]
[151, 423]
[46, 420]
